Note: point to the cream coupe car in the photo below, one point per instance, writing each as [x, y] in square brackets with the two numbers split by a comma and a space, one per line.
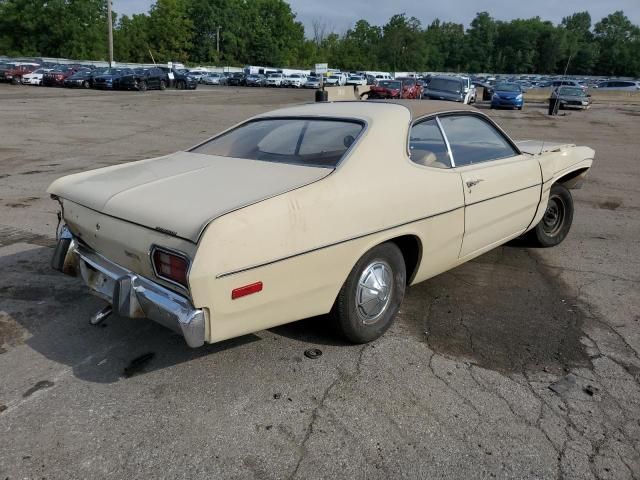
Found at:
[325, 208]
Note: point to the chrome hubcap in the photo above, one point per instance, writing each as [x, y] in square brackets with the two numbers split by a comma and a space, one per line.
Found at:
[374, 291]
[553, 216]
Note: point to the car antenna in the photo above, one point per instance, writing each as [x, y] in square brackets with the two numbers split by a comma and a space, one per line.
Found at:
[564, 77]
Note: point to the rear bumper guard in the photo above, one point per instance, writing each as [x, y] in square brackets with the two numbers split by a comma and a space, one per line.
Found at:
[130, 295]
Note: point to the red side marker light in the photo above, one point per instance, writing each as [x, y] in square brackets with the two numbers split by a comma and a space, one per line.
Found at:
[246, 290]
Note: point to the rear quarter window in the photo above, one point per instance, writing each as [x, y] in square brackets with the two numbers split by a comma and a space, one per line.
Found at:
[300, 141]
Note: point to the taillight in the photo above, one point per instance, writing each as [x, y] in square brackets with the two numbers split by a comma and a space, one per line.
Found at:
[170, 266]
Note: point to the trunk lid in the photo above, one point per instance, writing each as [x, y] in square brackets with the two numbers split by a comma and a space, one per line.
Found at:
[181, 193]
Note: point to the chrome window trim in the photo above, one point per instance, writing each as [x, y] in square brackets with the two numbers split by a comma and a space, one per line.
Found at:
[185, 288]
[446, 141]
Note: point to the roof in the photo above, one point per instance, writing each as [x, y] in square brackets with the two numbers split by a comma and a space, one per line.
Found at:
[370, 109]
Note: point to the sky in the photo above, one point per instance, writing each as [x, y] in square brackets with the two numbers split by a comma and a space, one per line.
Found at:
[339, 15]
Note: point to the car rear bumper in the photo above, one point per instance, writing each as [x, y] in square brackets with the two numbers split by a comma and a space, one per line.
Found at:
[130, 295]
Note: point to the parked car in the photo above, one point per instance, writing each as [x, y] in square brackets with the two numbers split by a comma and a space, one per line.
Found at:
[143, 79]
[275, 80]
[622, 85]
[57, 76]
[337, 79]
[566, 83]
[35, 77]
[206, 241]
[256, 80]
[312, 82]
[446, 88]
[14, 73]
[81, 78]
[180, 78]
[211, 79]
[385, 89]
[238, 79]
[469, 90]
[109, 78]
[507, 95]
[356, 80]
[411, 87]
[571, 97]
[198, 74]
[294, 80]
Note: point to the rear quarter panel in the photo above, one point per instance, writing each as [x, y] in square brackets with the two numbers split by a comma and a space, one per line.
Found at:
[303, 244]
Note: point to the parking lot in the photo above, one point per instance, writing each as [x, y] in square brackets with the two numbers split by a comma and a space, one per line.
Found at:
[523, 363]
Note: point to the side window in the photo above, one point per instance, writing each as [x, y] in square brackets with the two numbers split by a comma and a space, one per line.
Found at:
[474, 140]
[426, 145]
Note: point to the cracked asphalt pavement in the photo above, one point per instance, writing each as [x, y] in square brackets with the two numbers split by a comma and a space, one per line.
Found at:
[524, 363]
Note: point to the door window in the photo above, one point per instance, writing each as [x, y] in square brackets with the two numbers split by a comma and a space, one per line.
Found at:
[473, 140]
[427, 146]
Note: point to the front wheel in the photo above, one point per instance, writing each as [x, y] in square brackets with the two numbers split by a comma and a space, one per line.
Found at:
[370, 298]
[557, 218]
[163, 85]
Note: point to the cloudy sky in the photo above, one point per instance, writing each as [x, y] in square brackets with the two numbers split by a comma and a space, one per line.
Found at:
[341, 14]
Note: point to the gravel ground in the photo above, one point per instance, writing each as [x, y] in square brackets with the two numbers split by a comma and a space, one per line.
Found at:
[523, 363]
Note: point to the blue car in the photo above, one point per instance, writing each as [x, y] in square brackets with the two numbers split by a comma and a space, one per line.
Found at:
[507, 95]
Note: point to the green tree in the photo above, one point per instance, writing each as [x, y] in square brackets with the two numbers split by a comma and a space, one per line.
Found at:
[619, 43]
[170, 30]
[480, 43]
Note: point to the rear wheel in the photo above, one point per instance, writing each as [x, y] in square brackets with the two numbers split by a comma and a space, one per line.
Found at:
[370, 298]
[163, 85]
[557, 218]
[85, 84]
[142, 86]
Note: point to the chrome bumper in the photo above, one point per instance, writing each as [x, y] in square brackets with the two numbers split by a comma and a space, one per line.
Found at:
[131, 295]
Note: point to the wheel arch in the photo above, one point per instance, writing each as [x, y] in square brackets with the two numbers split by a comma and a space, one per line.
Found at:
[411, 248]
[573, 179]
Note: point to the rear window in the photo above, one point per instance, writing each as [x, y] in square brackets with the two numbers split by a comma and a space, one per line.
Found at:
[446, 85]
[310, 142]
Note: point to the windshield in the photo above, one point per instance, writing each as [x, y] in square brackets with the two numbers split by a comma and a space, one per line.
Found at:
[445, 84]
[389, 84]
[507, 87]
[300, 141]
[275, 75]
[571, 91]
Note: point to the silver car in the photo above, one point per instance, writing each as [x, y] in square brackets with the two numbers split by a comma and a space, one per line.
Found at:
[620, 85]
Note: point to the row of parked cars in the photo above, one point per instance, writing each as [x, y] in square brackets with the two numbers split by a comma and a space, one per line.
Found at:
[278, 79]
[107, 78]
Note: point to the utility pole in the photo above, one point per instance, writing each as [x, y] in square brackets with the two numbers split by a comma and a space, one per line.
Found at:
[218, 40]
[110, 36]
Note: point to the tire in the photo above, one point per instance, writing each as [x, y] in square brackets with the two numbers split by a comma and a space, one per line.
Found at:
[361, 314]
[557, 219]
[15, 81]
[142, 86]
[163, 85]
[180, 85]
[85, 84]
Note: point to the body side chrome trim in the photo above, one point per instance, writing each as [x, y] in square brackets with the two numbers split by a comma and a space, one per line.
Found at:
[322, 247]
[503, 194]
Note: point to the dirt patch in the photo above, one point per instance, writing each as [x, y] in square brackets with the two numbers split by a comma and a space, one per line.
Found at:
[501, 312]
[11, 333]
[41, 385]
[610, 204]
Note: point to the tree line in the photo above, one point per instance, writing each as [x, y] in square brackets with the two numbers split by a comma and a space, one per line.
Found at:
[266, 32]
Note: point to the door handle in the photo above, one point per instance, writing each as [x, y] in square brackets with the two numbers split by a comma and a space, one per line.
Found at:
[473, 182]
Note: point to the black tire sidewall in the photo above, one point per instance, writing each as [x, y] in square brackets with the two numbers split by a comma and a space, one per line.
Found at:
[541, 237]
[344, 312]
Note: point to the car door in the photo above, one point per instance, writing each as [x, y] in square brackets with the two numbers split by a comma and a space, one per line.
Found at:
[501, 186]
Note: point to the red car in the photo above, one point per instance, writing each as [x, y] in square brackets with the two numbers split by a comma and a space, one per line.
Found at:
[411, 87]
[57, 76]
[399, 88]
[14, 74]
